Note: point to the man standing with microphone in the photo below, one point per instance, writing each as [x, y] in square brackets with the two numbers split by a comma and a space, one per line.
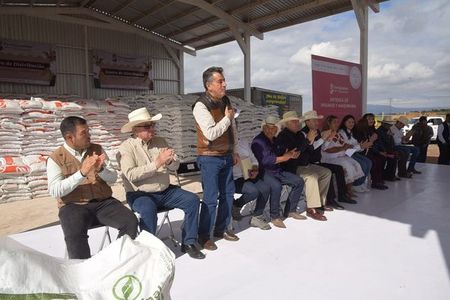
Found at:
[216, 141]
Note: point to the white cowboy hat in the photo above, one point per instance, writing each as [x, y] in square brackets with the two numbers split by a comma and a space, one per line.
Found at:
[403, 119]
[312, 114]
[290, 116]
[388, 120]
[139, 116]
[270, 120]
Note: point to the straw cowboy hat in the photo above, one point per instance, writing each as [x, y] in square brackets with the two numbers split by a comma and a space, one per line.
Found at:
[388, 120]
[290, 116]
[403, 119]
[139, 116]
[271, 120]
[310, 115]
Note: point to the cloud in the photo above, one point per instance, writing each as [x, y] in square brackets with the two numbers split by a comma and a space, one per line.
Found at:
[408, 54]
[395, 73]
[343, 49]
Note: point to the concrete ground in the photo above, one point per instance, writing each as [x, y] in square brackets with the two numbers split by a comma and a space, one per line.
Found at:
[393, 244]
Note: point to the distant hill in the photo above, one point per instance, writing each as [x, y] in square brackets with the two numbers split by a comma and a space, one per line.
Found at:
[379, 109]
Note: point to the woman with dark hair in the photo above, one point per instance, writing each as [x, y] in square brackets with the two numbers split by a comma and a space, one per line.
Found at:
[365, 131]
[346, 131]
[333, 152]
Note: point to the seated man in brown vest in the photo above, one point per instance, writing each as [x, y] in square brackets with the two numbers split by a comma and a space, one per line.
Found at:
[78, 175]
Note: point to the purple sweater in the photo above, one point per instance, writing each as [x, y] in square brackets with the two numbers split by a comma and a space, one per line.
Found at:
[266, 153]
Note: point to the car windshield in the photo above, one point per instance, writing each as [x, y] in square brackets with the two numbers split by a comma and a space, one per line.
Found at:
[413, 121]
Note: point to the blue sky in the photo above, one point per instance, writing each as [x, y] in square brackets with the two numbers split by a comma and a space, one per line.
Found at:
[409, 55]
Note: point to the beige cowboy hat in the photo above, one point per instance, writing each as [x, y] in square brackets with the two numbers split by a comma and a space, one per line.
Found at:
[404, 120]
[310, 115]
[270, 120]
[139, 116]
[388, 120]
[290, 116]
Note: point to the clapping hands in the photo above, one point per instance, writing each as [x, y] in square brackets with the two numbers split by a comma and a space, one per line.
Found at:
[92, 162]
[291, 154]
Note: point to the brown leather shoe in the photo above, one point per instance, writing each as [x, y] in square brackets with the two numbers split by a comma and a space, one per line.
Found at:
[228, 235]
[314, 214]
[296, 215]
[278, 222]
[327, 208]
[207, 244]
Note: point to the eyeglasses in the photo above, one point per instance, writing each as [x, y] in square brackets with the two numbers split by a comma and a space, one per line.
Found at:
[147, 126]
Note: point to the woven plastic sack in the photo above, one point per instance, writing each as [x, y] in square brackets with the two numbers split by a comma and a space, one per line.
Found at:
[126, 269]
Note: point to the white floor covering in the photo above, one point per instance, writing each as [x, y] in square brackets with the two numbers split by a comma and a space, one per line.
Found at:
[393, 244]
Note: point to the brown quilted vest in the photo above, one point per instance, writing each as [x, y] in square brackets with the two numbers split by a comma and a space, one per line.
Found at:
[224, 144]
[93, 187]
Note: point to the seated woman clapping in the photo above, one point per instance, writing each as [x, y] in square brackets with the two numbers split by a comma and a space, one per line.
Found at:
[336, 152]
[346, 132]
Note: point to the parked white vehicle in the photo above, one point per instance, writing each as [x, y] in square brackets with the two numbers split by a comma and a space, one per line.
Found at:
[433, 121]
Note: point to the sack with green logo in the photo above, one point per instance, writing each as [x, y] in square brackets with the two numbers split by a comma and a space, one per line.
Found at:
[127, 269]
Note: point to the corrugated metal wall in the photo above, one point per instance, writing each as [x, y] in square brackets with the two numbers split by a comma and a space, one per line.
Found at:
[70, 50]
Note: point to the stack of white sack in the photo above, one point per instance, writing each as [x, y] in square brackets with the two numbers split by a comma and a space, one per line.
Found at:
[13, 184]
[117, 111]
[11, 129]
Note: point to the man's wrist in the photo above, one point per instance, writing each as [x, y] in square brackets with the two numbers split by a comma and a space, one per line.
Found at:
[158, 163]
[82, 174]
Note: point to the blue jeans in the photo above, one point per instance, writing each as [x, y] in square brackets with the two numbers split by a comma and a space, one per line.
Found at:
[413, 150]
[275, 181]
[258, 190]
[147, 204]
[366, 166]
[218, 185]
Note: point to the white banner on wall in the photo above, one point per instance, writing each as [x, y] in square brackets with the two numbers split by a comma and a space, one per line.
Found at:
[27, 62]
[116, 71]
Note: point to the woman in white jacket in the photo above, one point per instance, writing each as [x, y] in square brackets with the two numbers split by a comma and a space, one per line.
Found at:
[334, 152]
[345, 130]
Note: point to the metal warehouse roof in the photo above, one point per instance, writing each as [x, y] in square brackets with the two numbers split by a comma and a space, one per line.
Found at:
[188, 25]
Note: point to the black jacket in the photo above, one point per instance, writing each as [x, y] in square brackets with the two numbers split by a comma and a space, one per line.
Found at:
[287, 140]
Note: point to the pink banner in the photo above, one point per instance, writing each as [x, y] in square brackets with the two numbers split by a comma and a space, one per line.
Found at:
[337, 87]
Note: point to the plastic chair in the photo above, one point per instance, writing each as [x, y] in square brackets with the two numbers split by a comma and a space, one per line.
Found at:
[165, 219]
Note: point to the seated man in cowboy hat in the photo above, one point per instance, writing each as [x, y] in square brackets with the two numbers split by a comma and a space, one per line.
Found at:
[401, 140]
[145, 161]
[269, 159]
[317, 178]
[385, 144]
[78, 176]
[311, 128]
